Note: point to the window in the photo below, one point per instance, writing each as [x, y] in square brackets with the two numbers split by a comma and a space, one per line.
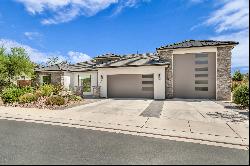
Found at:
[201, 62]
[201, 88]
[201, 81]
[86, 83]
[147, 88]
[201, 75]
[147, 82]
[147, 76]
[201, 69]
[47, 79]
[201, 55]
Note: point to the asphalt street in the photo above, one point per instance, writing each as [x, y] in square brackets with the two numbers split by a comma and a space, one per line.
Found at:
[30, 143]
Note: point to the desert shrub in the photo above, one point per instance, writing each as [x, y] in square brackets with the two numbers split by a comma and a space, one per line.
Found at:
[55, 100]
[47, 89]
[237, 76]
[74, 98]
[235, 84]
[57, 89]
[12, 94]
[27, 98]
[38, 93]
[241, 95]
[246, 78]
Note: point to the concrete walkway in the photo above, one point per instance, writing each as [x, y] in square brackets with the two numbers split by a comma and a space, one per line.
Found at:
[109, 115]
[153, 110]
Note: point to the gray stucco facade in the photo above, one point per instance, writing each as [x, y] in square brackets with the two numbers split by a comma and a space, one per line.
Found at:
[223, 72]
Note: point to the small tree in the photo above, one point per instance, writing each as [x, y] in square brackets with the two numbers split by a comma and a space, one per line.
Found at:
[237, 76]
[56, 61]
[52, 61]
[14, 64]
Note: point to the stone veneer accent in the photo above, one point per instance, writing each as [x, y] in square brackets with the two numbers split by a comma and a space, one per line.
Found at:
[56, 77]
[223, 90]
[168, 55]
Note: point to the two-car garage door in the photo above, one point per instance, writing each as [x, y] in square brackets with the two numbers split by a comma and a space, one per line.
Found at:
[130, 86]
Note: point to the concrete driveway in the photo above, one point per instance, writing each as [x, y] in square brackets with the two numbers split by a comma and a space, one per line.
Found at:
[120, 107]
[200, 110]
[175, 109]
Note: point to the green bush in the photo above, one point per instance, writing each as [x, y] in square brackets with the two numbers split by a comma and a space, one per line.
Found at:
[237, 76]
[241, 95]
[246, 78]
[27, 98]
[47, 89]
[74, 98]
[57, 89]
[55, 100]
[12, 94]
[235, 84]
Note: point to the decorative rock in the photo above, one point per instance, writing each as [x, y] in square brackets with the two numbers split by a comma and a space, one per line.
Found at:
[1, 102]
[223, 91]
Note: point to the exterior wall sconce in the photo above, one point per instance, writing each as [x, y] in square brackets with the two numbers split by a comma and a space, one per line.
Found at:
[101, 77]
[159, 76]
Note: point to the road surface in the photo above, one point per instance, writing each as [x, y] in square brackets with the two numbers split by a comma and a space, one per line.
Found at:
[30, 143]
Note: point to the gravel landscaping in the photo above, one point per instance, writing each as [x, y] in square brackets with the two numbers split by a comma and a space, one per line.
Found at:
[41, 104]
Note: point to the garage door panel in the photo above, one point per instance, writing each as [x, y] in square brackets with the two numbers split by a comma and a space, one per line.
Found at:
[130, 86]
[194, 75]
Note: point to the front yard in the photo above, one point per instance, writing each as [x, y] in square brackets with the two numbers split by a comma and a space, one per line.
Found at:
[179, 120]
[46, 96]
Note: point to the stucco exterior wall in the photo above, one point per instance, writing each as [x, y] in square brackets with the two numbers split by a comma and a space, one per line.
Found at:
[159, 83]
[74, 80]
[168, 55]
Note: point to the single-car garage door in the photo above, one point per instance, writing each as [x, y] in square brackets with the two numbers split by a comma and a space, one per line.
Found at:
[130, 86]
[195, 75]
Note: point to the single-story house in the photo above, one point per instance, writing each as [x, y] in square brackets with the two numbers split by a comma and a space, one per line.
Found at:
[189, 69]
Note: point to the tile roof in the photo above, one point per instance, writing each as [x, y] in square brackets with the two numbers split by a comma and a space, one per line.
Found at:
[108, 55]
[56, 67]
[123, 61]
[148, 59]
[197, 43]
[135, 60]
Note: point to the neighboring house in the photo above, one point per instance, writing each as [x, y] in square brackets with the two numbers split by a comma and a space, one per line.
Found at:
[190, 69]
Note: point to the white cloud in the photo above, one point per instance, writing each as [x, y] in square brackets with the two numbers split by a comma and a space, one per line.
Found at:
[231, 22]
[127, 3]
[75, 57]
[61, 11]
[32, 35]
[233, 15]
[34, 54]
[42, 57]
[65, 10]
[240, 54]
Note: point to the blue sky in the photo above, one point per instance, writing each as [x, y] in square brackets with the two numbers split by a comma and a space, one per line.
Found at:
[77, 30]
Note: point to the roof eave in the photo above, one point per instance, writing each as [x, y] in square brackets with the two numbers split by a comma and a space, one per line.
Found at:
[219, 45]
